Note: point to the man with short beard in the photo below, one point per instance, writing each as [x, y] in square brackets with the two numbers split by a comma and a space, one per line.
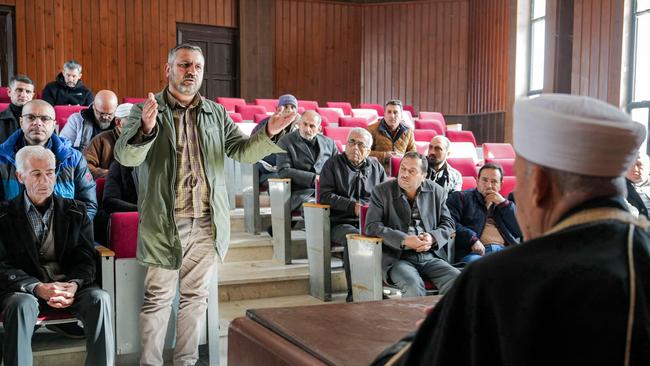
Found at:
[81, 127]
[439, 170]
[68, 87]
[346, 182]
[21, 91]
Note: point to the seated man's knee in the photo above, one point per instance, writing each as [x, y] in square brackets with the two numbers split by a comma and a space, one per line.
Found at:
[407, 280]
[20, 303]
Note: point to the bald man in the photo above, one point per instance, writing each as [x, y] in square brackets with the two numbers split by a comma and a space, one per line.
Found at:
[83, 126]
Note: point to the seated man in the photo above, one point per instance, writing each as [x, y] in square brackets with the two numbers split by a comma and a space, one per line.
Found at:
[485, 221]
[83, 126]
[439, 170]
[21, 91]
[345, 184]
[410, 215]
[68, 87]
[638, 184]
[306, 153]
[73, 180]
[390, 136]
[47, 262]
[120, 194]
[99, 153]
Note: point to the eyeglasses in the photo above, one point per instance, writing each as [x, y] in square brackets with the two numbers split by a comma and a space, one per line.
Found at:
[105, 115]
[32, 117]
[359, 144]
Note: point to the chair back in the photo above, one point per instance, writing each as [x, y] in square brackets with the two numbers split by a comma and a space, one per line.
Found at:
[123, 234]
[63, 112]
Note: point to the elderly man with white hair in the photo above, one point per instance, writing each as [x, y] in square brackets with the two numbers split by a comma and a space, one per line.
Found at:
[346, 182]
[577, 292]
[48, 261]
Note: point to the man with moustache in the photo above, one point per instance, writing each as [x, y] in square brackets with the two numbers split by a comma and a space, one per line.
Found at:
[410, 215]
[439, 170]
[81, 127]
[179, 138]
[68, 89]
[21, 91]
[390, 136]
[346, 182]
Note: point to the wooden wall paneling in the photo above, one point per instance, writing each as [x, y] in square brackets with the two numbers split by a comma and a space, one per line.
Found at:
[256, 42]
[594, 49]
[604, 46]
[615, 67]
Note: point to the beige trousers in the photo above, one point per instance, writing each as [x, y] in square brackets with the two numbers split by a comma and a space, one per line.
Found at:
[199, 258]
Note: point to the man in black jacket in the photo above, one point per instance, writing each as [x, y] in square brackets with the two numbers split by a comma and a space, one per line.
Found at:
[21, 91]
[346, 182]
[68, 87]
[47, 261]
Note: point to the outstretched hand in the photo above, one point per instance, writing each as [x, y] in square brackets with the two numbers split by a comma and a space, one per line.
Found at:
[149, 114]
[279, 120]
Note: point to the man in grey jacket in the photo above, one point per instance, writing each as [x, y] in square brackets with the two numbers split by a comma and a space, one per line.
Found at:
[410, 215]
[81, 127]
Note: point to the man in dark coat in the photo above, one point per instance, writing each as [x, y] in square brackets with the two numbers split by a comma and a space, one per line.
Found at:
[21, 91]
[68, 87]
[577, 292]
[47, 261]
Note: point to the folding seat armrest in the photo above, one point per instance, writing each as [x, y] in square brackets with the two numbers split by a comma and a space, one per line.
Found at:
[251, 192]
[107, 277]
[365, 267]
[319, 255]
[280, 194]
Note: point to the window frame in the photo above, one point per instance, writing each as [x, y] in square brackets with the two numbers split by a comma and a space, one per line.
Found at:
[631, 103]
[531, 22]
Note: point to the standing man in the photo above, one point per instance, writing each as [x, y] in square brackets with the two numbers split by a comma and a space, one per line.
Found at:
[21, 91]
[86, 124]
[577, 292]
[439, 170]
[178, 138]
[68, 87]
[390, 136]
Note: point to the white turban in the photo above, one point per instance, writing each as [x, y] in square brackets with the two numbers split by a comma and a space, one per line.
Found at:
[123, 110]
[576, 134]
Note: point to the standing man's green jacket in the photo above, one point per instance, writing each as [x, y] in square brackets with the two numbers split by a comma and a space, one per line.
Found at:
[158, 240]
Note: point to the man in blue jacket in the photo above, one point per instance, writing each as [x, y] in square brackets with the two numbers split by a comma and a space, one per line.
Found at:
[73, 179]
[485, 220]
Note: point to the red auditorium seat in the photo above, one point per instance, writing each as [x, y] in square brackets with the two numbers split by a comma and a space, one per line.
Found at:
[4, 106]
[362, 218]
[99, 189]
[395, 161]
[270, 104]
[422, 147]
[432, 115]
[424, 135]
[465, 166]
[339, 146]
[123, 234]
[411, 109]
[377, 107]
[353, 122]
[508, 165]
[4, 94]
[469, 183]
[498, 151]
[509, 184]
[133, 100]
[345, 106]
[337, 133]
[248, 111]
[369, 114]
[259, 117]
[324, 121]
[63, 112]
[430, 124]
[461, 136]
[235, 117]
[309, 105]
[230, 103]
[332, 114]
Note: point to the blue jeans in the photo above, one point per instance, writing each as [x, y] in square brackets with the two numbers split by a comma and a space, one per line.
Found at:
[490, 248]
[407, 273]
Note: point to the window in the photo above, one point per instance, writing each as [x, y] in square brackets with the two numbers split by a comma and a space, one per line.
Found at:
[537, 39]
[639, 104]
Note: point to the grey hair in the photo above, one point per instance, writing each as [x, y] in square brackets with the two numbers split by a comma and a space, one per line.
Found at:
[316, 115]
[35, 152]
[444, 139]
[362, 131]
[20, 79]
[183, 46]
[72, 65]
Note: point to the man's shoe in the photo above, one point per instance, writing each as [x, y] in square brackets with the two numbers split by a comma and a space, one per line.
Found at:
[69, 330]
[349, 297]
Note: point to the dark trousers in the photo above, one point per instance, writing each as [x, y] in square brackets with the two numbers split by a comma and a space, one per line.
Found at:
[338, 235]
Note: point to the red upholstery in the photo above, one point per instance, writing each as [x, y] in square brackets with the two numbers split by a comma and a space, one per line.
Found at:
[259, 117]
[270, 104]
[99, 189]
[498, 151]
[509, 184]
[362, 219]
[230, 103]
[4, 106]
[378, 107]
[339, 146]
[353, 122]
[63, 112]
[248, 111]
[4, 94]
[324, 121]
[432, 115]
[332, 115]
[508, 165]
[430, 124]
[410, 108]
[424, 135]
[51, 316]
[345, 106]
[461, 136]
[309, 105]
[123, 234]
[301, 110]
[317, 189]
[337, 133]
[469, 183]
[394, 165]
[133, 100]
[369, 114]
[422, 147]
[235, 117]
[465, 166]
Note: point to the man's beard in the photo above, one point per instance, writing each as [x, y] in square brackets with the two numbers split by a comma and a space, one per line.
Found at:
[104, 125]
[433, 162]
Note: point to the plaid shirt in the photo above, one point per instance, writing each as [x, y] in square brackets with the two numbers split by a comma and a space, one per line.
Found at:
[38, 222]
[192, 191]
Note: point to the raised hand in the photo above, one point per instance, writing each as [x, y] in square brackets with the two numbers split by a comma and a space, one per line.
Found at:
[279, 120]
[149, 114]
